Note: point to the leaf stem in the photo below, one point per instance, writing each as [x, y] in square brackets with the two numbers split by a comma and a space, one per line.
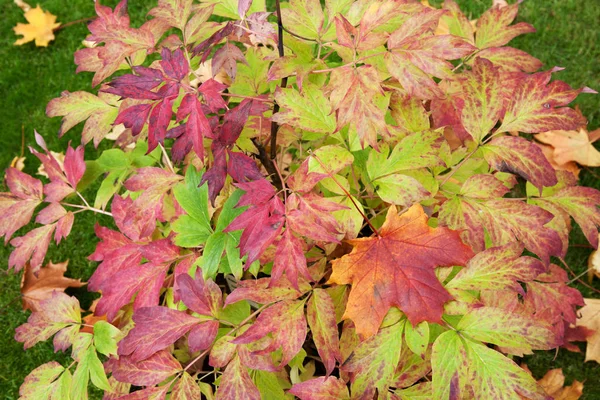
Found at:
[275, 125]
[167, 159]
[96, 210]
[77, 21]
[576, 277]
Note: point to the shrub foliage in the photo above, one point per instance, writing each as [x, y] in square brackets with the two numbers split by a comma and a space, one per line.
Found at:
[320, 202]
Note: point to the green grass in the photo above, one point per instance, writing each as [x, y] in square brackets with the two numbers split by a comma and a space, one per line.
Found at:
[567, 36]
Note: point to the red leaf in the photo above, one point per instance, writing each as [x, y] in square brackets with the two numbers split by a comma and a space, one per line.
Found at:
[227, 57]
[233, 123]
[396, 268]
[321, 319]
[263, 291]
[202, 336]
[31, 247]
[23, 186]
[289, 258]
[14, 214]
[74, 165]
[137, 86]
[236, 383]
[211, 91]
[155, 329]
[310, 216]
[242, 168]
[134, 117]
[217, 173]
[285, 321]
[160, 117]
[321, 388]
[197, 125]
[204, 298]
[148, 372]
[174, 64]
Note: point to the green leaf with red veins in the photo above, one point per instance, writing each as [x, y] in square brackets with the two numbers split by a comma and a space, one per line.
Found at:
[581, 203]
[222, 352]
[372, 363]
[409, 112]
[155, 329]
[309, 110]
[173, 12]
[458, 24]
[400, 190]
[521, 334]
[321, 388]
[305, 17]
[411, 368]
[497, 268]
[310, 216]
[98, 112]
[416, 54]
[467, 369]
[494, 29]
[186, 388]
[353, 94]
[263, 291]
[534, 104]
[321, 320]
[236, 383]
[59, 312]
[375, 15]
[480, 104]
[31, 248]
[148, 372]
[505, 221]
[520, 156]
[509, 59]
[285, 321]
[44, 382]
[549, 292]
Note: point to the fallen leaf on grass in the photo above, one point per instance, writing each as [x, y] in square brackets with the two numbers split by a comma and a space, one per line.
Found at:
[548, 151]
[590, 318]
[35, 289]
[40, 28]
[554, 384]
[573, 146]
[18, 163]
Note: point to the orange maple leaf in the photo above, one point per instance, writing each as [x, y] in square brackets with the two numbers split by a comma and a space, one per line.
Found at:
[396, 268]
[573, 146]
[49, 279]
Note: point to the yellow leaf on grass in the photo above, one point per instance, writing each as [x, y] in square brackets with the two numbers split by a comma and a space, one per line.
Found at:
[573, 146]
[554, 384]
[40, 28]
[590, 318]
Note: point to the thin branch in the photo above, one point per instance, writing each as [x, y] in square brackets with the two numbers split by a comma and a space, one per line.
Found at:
[268, 163]
[78, 21]
[96, 210]
[275, 125]
[167, 159]
[576, 278]
[298, 36]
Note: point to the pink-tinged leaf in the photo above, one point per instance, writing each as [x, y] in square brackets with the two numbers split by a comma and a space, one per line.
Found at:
[148, 372]
[233, 123]
[222, 352]
[243, 7]
[289, 258]
[56, 313]
[211, 91]
[285, 321]
[311, 216]
[153, 393]
[236, 383]
[116, 252]
[520, 156]
[534, 104]
[353, 93]
[510, 59]
[120, 208]
[549, 292]
[494, 29]
[175, 13]
[155, 329]
[197, 125]
[262, 291]
[32, 247]
[53, 168]
[52, 213]
[215, 38]
[137, 86]
[160, 251]
[480, 105]
[216, 175]
[202, 336]
[146, 280]
[242, 168]
[44, 382]
[174, 64]
[321, 320]
[186, 387]
[321, 388]
[148, 177]
[74, 165]
[134, 117]
[14, 214]
[227, 57]
[202, 297]
[63, 227]
[23, 186]
[159, 120]
[57, 190]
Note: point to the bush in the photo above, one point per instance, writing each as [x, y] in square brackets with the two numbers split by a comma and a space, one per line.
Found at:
[361, 177]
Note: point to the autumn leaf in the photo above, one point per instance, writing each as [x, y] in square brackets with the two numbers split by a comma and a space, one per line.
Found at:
[40, 28]
[396, 268]
[553, 383]
[590, 318]
[573, 146]
[50, 278]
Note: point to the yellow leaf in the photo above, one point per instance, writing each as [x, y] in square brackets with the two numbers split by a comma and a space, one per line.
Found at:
[40, 28]
[554, 384]
[590, 318]
[573, 146]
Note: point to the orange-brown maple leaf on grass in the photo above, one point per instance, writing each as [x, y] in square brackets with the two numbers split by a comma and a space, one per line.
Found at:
[572, 146]
[396, 268]
[35, 289]
[554, 384]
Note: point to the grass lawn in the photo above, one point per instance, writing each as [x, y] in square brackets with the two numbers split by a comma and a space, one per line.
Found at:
[567, 36]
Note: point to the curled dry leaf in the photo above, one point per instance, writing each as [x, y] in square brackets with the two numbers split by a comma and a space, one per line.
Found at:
[40, 28]
[590, 318]
[49, 279]
[554, 384]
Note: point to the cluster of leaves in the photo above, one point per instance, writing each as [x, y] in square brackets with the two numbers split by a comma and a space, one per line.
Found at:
[351, 206]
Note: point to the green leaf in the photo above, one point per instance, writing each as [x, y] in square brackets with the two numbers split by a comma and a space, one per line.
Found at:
[232, 252]
[192, 229]
[42, 381]
[399, 189]
[213, 251]
[310, 110]
[190, 232]
[105, 335]
[96, 369]
[471, 370]
[269, 386]
[229, 212]
[236, 312]
[417, 338]
[306, 16]
[229, 8]
[112, 159]
[333, 158]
